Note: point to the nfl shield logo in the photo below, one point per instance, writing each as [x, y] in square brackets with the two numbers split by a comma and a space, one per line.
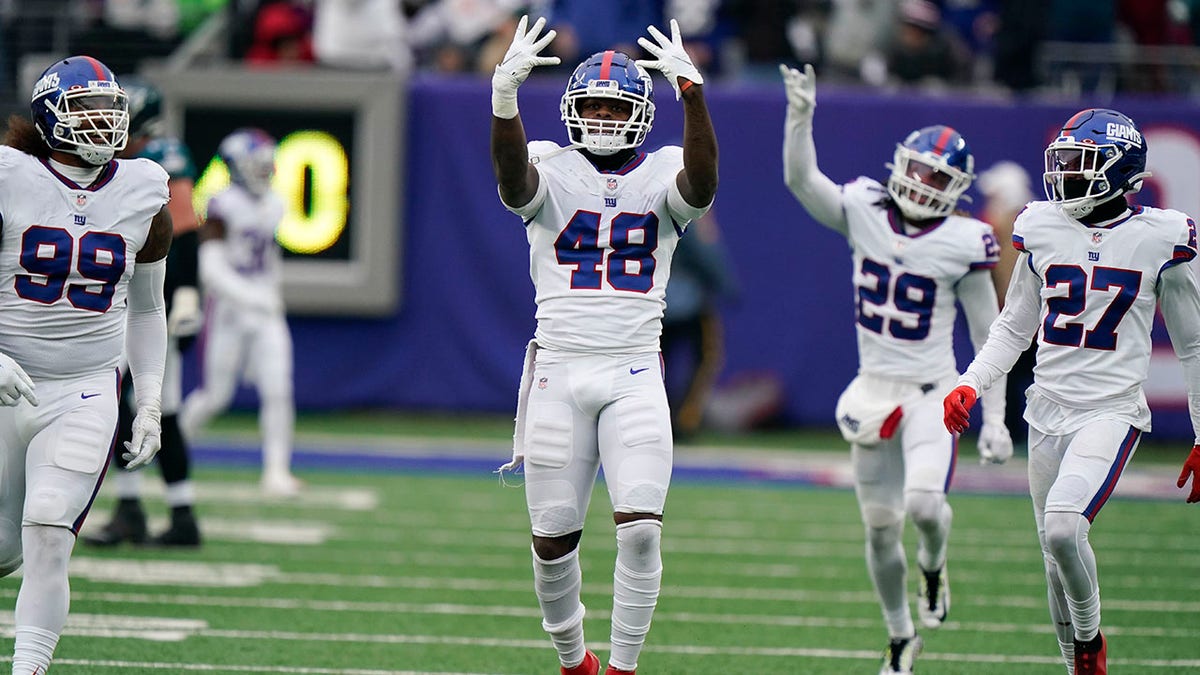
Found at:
[80, 199]
[543, 382]
[611, 184]
[1096, 237]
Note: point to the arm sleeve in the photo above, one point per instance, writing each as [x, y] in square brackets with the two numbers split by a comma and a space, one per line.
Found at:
[1012, 331]
[978, 299]
[821, 197]
[1179, 299]
[219, 277]
[146, 332]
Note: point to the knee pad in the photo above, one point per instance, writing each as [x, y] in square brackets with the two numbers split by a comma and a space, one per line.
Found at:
[878, 516]
[924, 507]
[639, 544]
[1064, 533]
[47, 506]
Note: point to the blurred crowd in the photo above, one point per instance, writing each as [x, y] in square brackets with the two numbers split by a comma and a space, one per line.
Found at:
[985, 45]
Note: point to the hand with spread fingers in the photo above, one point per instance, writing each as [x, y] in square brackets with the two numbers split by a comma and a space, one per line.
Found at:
[801, 89]
[520, 59]
[670, 58]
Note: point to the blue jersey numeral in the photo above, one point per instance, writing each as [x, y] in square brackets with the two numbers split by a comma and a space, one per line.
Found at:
[910, 293]
[1103, 335]
[630, 265]
[47, 254]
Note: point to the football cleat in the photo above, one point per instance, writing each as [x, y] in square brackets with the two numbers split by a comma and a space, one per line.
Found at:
[183, 533]
[1091, 657]
[900, 654]
[128, 524]
[614, 671]
[934, 602]
[589, 666]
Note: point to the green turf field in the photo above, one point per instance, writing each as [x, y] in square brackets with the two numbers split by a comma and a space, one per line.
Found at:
[374, 572]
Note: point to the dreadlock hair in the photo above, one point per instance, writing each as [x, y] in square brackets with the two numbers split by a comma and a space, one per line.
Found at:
[22, 135]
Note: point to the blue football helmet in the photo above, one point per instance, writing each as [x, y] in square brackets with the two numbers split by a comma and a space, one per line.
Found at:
[249, 154]
[78, 107]
[931, 170]
[1098, 156]
[609, 74]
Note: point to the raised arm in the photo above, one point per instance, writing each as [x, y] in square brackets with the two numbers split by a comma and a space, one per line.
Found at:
[821, 197]
[517, 178]
[697, 180]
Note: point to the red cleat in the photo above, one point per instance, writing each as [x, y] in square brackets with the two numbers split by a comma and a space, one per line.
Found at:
[1091, 658]
[590, 666]
[613, 671]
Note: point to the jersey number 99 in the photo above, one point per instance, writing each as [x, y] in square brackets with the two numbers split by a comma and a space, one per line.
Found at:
[47, 254]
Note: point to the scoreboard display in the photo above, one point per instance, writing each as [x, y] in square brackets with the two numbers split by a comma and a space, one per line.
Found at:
[338, 167]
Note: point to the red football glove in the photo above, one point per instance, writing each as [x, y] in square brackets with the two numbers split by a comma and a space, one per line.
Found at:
[957, 408]
[1191, 467]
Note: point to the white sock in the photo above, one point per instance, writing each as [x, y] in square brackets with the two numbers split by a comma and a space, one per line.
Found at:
[128, 484]
[557, 584]
[889, 572]
[182, 493]
[44, 598]
[637, 579]
[276, 419]
[1067, 539]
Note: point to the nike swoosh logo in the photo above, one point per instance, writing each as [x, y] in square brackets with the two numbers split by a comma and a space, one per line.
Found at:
[639, 370]
[87, 396]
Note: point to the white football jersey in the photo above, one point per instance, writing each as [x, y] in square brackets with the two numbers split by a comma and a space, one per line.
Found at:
[905, 284]
[600, 248]
[1098, 291]
[66, 256]
[250, 224]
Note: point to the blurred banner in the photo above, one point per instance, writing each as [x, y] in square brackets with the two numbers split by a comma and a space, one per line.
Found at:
[457, 341]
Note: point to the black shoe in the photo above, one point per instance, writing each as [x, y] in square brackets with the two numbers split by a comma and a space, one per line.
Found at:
[128, 524]
[183, 532]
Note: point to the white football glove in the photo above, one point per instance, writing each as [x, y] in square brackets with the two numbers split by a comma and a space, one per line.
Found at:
[801, 90]
[14, 383]
[147, 438]
[519, 60]
[995, 445]
[185, 318]
[670, 57]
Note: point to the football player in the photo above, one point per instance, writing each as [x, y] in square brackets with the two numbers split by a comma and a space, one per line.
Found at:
[1091, 271]
[247, 331]
[82, 261]
[128, 522]
[914, 257]
[602, 218]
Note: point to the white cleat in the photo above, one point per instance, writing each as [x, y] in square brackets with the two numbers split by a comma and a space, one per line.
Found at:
[933, 603]
[281, 485]
[900, 654]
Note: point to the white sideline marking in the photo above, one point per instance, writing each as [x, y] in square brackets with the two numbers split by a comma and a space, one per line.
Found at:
[313, 497]
[292, 532]
[530, 612]
[212, 667]
[138, 571]
[152, 628]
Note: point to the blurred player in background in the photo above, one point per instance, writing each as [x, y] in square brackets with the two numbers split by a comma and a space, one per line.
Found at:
[602, 219]
[913, 259]
[146, 139]
[1091, 272]
[82, 259]
[246, 333]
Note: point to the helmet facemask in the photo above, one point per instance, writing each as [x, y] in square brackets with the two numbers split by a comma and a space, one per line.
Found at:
[92, 122]
[924, 186]
[606, 137]
[1076, 176]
